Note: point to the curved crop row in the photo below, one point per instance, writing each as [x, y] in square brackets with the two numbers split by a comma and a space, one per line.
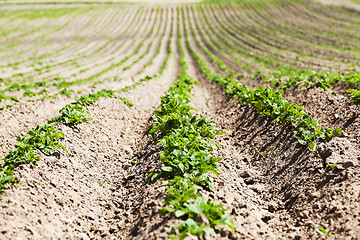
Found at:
[45, 138]
[271, 104]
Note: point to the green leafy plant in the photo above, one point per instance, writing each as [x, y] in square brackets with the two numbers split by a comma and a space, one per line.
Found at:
[186, 155]
[332, 166]
[126, 101]
[271, 104]
[184, 201]
[72, 115]
[13, 98]
[354, 95]
[66, 92]
[325, 233]
[265, 154]
[101, 183]
[42, 138]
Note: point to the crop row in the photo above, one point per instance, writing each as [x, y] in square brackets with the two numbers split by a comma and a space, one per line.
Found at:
[45, 138]
[187, 145]
[65, 84]
[256, 42]
[267, 102]
[231, 39]
[74, 52]
[215, 51]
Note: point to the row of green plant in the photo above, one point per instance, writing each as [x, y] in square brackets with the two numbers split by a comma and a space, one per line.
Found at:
[126, 58]
[324, 31]
[187, 145]
[277, 28]
[270, 103]
[136, 19]
[223, 41]
[87, 53]
[158, 50]
[26, 85]
[61, 83]
[38, 28]
[263, 37]
[224, 34]
[251, 34]
[354, 95]
[351, 13]
[33, 14]
[19, 55]
[29, 93]
[245, 42]
[307, 78]
[151, 41]
[218, 61]
[320, 79]
[36, 59]
[204, 30]
[338, 14]
[45, 138]
[280, 44]
[241, 43]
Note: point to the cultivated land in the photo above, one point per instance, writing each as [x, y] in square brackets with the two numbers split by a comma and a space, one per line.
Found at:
[163, 120]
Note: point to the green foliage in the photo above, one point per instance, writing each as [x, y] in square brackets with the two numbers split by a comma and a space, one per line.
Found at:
[126, 101]
[42, 138]
[323, 84]
[13, 98]
[76, 113]
[272, 105]
[354, 95]
[72, 115]
[141, 81]
[186, 140]
[29, 93]
[332, 166]
[188, 204]
[265, 154]
[66, 92]
[320, 80]
[325, 233]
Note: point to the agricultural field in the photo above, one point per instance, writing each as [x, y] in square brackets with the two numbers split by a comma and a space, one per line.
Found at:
[187, 120]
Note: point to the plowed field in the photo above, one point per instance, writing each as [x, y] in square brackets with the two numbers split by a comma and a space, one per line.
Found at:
[136, 120]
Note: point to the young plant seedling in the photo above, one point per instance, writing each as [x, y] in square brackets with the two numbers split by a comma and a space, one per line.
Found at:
[325, 233]
[332, 166]
[101, 183]
[266, 153]
[135, 161]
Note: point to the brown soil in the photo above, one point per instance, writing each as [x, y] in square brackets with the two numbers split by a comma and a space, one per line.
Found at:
[80, 194]
[99, 188]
